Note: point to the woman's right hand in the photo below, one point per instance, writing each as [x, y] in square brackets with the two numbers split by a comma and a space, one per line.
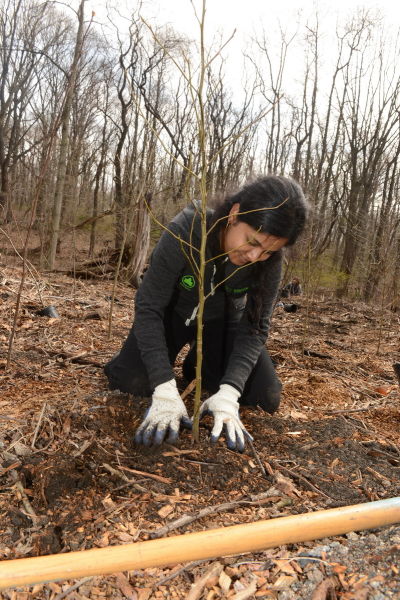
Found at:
[164, 417]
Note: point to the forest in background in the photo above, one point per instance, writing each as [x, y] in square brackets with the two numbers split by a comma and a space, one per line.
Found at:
[98, 125]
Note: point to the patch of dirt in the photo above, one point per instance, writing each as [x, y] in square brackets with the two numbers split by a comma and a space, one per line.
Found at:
[71, 477]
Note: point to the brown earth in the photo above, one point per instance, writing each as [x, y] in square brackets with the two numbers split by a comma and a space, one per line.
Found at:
[66, 449]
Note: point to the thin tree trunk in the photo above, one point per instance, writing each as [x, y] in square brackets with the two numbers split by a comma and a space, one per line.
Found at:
[65, 139]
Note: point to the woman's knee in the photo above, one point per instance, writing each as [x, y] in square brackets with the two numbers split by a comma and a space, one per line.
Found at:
[126, 379]
[267, 397]
[270, 399]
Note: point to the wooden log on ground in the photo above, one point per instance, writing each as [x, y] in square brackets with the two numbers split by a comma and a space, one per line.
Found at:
[250, 537]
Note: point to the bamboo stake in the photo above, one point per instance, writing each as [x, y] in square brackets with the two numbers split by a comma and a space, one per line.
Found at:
[250, 537]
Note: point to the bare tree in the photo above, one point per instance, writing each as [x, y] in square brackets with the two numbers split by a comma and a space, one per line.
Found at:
[71, 78]
[20, 26]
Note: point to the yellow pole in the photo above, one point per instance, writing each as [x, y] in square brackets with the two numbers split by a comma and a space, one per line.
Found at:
[237, 539]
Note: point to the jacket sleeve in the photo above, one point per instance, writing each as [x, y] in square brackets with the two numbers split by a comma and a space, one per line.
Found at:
[250, 338]
[152, 298]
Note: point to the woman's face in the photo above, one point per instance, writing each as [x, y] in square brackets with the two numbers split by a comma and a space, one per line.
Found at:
[245, 245]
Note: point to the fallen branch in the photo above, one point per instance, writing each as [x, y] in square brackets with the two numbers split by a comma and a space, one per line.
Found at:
[25, 500]
[72, 588]
[295, 475]
[68, 357]
[256, 456]
[113, 471]
[178, 571]
[9, 468]
[206, 512]
[38, 425]
[145, 474]
[90, 220]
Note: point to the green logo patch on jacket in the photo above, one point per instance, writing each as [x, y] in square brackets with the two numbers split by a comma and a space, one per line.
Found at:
[188, 282]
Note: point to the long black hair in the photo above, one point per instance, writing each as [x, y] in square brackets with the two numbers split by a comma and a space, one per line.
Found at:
[272, 204]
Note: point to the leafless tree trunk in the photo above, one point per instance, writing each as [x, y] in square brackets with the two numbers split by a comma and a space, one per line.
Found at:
[65, 137]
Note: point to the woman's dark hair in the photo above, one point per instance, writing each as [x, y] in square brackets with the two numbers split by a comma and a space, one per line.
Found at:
[272, 204]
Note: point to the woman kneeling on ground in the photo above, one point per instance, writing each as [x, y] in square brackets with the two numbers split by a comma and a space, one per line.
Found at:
[244, 257]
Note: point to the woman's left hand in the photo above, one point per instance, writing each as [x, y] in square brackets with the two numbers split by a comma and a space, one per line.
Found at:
[224, 407]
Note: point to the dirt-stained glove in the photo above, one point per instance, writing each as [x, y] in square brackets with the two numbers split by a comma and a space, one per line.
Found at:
[224, 407]
[164, 416]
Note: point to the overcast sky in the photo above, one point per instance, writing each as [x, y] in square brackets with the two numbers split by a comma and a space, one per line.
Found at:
[245, 15]
[252, 17]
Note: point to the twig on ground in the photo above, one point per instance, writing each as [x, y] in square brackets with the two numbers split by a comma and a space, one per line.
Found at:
[24, 498]
[205, 512]
[178, 571]
[295, 475]
[289, 559]
[255, 454]
[86, 444]
[378, 450]
[378, 476]
[72, 588]
[145, 474]
[345, 411]
[38, 425]
[358, 423]
[125, 478]
[109, 512]
[9, 468]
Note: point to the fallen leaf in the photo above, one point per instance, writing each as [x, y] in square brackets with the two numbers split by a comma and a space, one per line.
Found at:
[297, 414]
[224, 582]
[284, 582]
[165, 511]
[285, 566]
[126, 587]
[247, 593]
[337, 568]
[21, 449]
[86, 515]
[285, 485]
[334, 463]
[327, 586]
[383, 390]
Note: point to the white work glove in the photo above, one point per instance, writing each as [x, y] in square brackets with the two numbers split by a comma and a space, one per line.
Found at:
[224, 407]
[164, 416]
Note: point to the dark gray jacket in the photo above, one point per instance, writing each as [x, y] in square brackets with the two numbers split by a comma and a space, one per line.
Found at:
[171, 282]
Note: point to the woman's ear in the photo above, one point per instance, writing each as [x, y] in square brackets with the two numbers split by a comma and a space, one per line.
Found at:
[233, 212]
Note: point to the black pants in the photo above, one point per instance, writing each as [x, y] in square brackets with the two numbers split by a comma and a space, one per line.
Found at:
[127, 372]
